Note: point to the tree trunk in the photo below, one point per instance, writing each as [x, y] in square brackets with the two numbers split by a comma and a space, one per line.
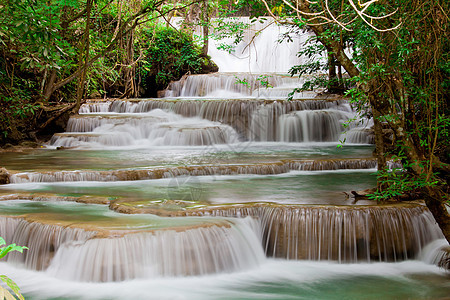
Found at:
[49, 86]
[379, 144]
[84, 58]
[205, 20]
[434, 196]
[331, 67]
[435, 200]
[129, 68]
[334, 85]
[126, 26]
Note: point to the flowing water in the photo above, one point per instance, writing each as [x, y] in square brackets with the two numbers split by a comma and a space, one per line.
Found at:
[217, 191]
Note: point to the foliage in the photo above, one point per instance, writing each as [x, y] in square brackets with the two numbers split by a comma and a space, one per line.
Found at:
[40, 42]
[15, 104]
[168, 54]
[4, 293]
[398, 184]
[407, 72]
[262, 81]
[229, 29]
[399, 66]
[61, 51]
[314, 54]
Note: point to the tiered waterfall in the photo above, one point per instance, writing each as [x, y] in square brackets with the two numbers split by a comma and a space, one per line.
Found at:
[224, 189]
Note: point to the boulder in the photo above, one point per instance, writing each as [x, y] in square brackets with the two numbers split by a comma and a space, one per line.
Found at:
[4, 176]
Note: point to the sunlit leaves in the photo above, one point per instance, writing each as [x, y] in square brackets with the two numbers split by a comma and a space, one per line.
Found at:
[232, 29]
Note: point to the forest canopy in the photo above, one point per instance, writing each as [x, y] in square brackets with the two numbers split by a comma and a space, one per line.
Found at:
[60, 52]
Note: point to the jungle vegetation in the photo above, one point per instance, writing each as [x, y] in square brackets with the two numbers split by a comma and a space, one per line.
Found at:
[54, 54]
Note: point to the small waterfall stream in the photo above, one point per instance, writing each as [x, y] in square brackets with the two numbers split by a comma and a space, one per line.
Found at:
[340, 233]
[74, 254]
[208, 122]
[346, 235]
[220, 190]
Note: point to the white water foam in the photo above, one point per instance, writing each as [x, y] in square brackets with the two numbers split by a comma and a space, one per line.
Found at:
[274, 279]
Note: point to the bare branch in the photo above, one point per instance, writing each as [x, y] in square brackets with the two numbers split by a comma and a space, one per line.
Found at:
[335, 19]
[362, 15]
[328, 16]
[300, 11]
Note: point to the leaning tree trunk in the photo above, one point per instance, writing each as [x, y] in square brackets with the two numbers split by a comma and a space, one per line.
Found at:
[434, 195]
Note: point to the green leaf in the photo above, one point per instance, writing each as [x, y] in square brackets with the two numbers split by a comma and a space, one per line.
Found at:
[9, 248]
[12, 285]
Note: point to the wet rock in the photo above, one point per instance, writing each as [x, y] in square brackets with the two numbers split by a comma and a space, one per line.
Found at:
[29, 144]
[161, 93]
[208, 66]
[8, 146]
[444, 262]
[4, 176]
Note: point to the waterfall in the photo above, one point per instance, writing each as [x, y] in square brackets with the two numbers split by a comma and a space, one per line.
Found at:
[259, 51]
[344, 234]
[223, 189]
[310, 126]
[270, 168]
[235, 86]
[76, 254]
[43, 240]
[207, 108]
[359, 136]
[154, 128]
[207, 122]
[245, 101]
[437, 253]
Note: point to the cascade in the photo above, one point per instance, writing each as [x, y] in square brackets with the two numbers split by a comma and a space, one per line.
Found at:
[207, 170]
[343, 234]
[219, 190]
[437, 253]
[226, 85]
[200, 251]
[340, 233]
[169, 122]
[81, 255]
[43, 240]
[154, 128]
[174, 122]
[307, 126]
